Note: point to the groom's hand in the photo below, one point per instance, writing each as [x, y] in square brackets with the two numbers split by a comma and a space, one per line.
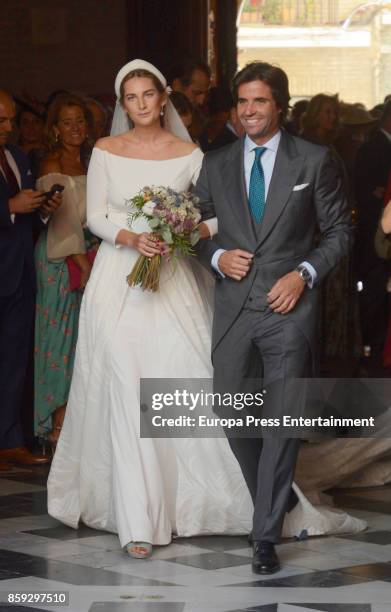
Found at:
[235, 263]
[286, 292]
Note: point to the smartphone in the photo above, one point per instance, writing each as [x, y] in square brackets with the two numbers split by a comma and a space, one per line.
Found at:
[54, 189]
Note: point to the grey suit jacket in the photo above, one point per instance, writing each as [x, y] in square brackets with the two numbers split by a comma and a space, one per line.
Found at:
[287, 235]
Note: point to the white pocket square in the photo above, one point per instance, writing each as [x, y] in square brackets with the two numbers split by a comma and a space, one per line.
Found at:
[300, 187]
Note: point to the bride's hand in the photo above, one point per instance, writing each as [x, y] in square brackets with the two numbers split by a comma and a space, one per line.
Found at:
[203, 230]
[147, 244]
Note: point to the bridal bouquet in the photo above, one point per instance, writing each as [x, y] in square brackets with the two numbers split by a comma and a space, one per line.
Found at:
[173, 218]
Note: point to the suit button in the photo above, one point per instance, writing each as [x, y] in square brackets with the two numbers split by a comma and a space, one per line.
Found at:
[257, 255]
[250, 299]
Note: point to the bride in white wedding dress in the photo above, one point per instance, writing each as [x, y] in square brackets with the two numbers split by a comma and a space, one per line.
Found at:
[103, 473]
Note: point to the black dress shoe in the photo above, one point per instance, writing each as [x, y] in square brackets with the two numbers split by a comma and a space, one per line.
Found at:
[265, 560]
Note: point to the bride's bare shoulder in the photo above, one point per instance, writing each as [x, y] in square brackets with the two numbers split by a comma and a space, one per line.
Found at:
[112, 144]
[182, 147]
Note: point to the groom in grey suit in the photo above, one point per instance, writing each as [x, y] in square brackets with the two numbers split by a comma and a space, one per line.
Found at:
[270, 192]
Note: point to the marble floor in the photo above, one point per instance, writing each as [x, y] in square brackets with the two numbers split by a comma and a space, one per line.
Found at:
[203, 574]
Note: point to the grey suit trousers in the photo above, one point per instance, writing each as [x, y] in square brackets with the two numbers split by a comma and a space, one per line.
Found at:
[270, 344]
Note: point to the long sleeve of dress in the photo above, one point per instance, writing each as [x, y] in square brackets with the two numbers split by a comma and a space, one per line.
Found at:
[65, 226]
[197, 159]
[97, 199]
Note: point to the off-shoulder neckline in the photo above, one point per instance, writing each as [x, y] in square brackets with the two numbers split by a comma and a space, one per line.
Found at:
[147, 160]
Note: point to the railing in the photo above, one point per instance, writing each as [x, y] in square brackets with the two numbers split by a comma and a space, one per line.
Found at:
[290, 12]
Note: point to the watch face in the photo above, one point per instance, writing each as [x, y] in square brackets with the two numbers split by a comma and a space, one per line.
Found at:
[305, 275]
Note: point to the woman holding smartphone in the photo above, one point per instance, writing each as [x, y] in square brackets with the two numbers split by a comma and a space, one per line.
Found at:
[62, 261]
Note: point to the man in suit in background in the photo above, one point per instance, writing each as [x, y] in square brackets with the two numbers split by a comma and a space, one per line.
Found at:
[223, 126]
[19, 208]
[371, 173]
[191, 76]
[270, 192]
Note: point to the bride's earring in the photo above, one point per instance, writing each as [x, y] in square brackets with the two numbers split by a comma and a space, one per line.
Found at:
[162, 111]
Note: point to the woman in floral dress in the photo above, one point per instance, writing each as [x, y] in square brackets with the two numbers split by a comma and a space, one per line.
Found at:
[64, 243]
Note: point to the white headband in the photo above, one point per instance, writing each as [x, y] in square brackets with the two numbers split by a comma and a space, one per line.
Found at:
[137, 64]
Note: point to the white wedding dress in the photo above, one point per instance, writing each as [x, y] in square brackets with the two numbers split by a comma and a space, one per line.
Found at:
[103, 473]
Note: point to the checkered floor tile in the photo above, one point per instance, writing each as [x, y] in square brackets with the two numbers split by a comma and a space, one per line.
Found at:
[200, 574]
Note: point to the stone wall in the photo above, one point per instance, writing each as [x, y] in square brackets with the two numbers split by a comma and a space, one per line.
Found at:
[76, 44]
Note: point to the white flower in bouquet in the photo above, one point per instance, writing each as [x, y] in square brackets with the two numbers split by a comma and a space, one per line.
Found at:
[148, 208]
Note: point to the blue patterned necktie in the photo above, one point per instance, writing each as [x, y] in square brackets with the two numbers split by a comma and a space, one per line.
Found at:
[257, 187]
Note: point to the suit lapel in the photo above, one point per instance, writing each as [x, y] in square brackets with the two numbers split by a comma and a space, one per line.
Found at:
[13, 152]
[24, 170]
[236, 190]
[285, 172]
[3, 184]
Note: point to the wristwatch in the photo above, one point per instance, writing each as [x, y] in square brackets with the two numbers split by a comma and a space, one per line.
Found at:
[304, 274]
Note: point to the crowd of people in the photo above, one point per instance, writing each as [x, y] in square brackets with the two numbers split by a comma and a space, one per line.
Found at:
[49, 207]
